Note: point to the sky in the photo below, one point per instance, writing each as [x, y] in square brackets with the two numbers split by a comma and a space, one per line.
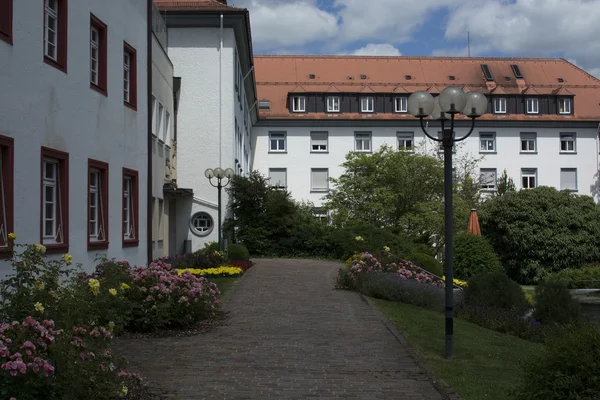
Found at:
[498, 28]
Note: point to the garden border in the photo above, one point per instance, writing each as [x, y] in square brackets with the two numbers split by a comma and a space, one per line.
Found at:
[231, 291]
[441, 386]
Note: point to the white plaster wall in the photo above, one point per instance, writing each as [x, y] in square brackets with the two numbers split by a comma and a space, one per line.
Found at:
[42, 106]
[299, 160]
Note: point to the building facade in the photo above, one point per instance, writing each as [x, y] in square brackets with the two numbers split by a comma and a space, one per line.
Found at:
[74, 128]
[541, 125]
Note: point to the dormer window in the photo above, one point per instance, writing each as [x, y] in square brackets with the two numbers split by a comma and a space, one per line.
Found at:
[500, 106]
[333, 104]
[367, 104]
[400, 104]
[564, 106]
[264, 105]
[299, 104]
[533, 106]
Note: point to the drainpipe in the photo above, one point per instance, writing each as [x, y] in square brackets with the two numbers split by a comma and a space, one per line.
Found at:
[221, 93]
[149, 213]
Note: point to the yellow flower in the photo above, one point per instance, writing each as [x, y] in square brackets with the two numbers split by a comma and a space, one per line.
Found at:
[40, 248]
[222, 270]
[113, 292]
[67, 258]
[38, 307]
[386, 248]
[124, 391]
[12, 236]
[358, 238]
[39, 285]
[52, 293]
[124, 286]
[94, 286]
[111, 325]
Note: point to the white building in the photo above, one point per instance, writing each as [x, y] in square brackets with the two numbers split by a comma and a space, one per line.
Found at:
[541, 126]
[74, 127]
[209, 44]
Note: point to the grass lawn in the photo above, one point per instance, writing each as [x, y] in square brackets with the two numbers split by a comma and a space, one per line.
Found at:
[486, 363]
[224, 283]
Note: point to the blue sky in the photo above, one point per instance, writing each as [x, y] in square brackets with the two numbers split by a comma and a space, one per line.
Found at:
[505, 28]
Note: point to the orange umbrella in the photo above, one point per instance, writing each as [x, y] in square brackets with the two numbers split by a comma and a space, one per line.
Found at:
[474, 223]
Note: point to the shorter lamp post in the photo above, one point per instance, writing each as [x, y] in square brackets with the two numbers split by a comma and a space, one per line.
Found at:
[219, 174]
[444, 107]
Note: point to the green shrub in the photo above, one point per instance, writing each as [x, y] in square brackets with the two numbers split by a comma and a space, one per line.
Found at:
[427, 262]
[582, 278]
[238, 252]
[569, 369]
[473, 254]
[495, 289]
[554, 303]
[344, 279]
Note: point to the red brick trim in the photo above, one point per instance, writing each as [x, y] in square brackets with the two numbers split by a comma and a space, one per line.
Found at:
[132, 103]
[62, 38]
[103, 168]
[63, 165]
[101, 87]
[6, 17]
[8, 168]
[135, 188]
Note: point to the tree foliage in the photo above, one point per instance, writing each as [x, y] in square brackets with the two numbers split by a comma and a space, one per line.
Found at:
[505, 184]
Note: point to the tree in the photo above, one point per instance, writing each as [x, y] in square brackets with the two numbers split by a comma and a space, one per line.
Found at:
[505, 184]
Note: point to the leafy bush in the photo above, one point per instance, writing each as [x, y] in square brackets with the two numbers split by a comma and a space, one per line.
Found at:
[344, 280]
[427, 262]
[554, 303]
[542, 230]
[238, 252]
[208, 257]
[582, 278]
[568, 370]
[495, 289]
[473, 254]
[244, 265]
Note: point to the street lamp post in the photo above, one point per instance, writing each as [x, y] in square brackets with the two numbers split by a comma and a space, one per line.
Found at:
[219, 174]
[444, 108]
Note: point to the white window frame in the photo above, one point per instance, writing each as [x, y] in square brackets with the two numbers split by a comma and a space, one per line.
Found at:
[312, 183]
[154, 101]
[484, 140]
[367, 104]
[279, 138]
[167, 128]
[566, 139]
[566, 106]
[500, 105]
[362, 138]
[333, 104]
[403, 138]
[160, 122]
[197, 228]
[485, 186]
[284, 187]
[51, 28]
[527, 148]
[298, 104]
[94, 55]
[440, 144]
[129, 209]
[528, 173]
[576, 179]
[317, 145]
[126, 76]
[401, 104]
[54, 184]
[160, 219]
[321, 214]
[97, 216]
[533, 105]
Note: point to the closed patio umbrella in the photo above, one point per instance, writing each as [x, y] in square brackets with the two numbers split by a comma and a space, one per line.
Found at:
[473, 227]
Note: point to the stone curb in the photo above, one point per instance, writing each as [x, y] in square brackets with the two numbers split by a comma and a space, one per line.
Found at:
[231, 291]
[441, 386]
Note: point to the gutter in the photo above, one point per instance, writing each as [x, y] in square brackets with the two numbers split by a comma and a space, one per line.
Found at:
[149, 211]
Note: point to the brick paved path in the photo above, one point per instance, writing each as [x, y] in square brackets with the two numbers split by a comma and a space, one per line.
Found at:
[290, 335]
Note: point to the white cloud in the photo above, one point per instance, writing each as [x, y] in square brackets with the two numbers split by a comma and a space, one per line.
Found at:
[377, 49]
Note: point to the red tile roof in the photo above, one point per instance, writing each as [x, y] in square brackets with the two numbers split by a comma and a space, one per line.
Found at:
[194, 5]
[276, 76]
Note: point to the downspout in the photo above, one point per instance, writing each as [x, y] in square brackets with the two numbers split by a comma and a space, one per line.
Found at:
[149, 211]
[221, 92]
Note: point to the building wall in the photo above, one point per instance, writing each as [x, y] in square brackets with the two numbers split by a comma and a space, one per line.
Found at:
[42, 106]
[298, 158]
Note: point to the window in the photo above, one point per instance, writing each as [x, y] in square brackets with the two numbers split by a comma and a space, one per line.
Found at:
[129, 76]
[318, 142]
[130, 208]
[567, 143]
[321, 215]
[533, 106]
[54, 205]
[333, 104]
[440, 144]
[278, 177]
[98, 55]
[500, 106]
[362, 142]
[6, 16]
[277, 140]
[201, 224]
[97, 205]
[568, 179]
[564, 106]
[154, 114]
[55, 33]
[167, 128]
[159, 121]
[160, 227]
[319, 180]
[406, 141]
[367, 104]
[487, 142]
[528, 142]
[235, 69]
[488, 179]
[6, 194]
[528, 178]
[400, 104]
[298, 104]
[264, 105]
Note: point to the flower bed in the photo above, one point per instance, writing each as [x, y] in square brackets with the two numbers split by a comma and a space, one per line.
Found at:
[224, 270]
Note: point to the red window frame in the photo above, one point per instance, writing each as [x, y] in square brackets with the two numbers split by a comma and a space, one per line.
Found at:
[132, 103]
[7, 209]
[6, 17]
[101, 87]
[63, 191]
[102, 205]
[62, 36]
[135, 202]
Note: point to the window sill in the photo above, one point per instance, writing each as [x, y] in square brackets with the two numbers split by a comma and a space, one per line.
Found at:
[367, 112]
[567, 152]
[131, 106]
[98, 89]
[319, 190]
[528, 152]
[319, 152]
[333, 112]
[131, 243]
[51, 62]
[487, 152]
[56, 248]
[400, 112]
[298, 112]
[363, 151]
[277, 152]
[97, 245]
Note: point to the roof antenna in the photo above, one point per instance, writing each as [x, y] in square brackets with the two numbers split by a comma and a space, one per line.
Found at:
[468, 43]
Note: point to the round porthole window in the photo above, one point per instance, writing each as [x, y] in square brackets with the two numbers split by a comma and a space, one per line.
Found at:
[201, 224]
